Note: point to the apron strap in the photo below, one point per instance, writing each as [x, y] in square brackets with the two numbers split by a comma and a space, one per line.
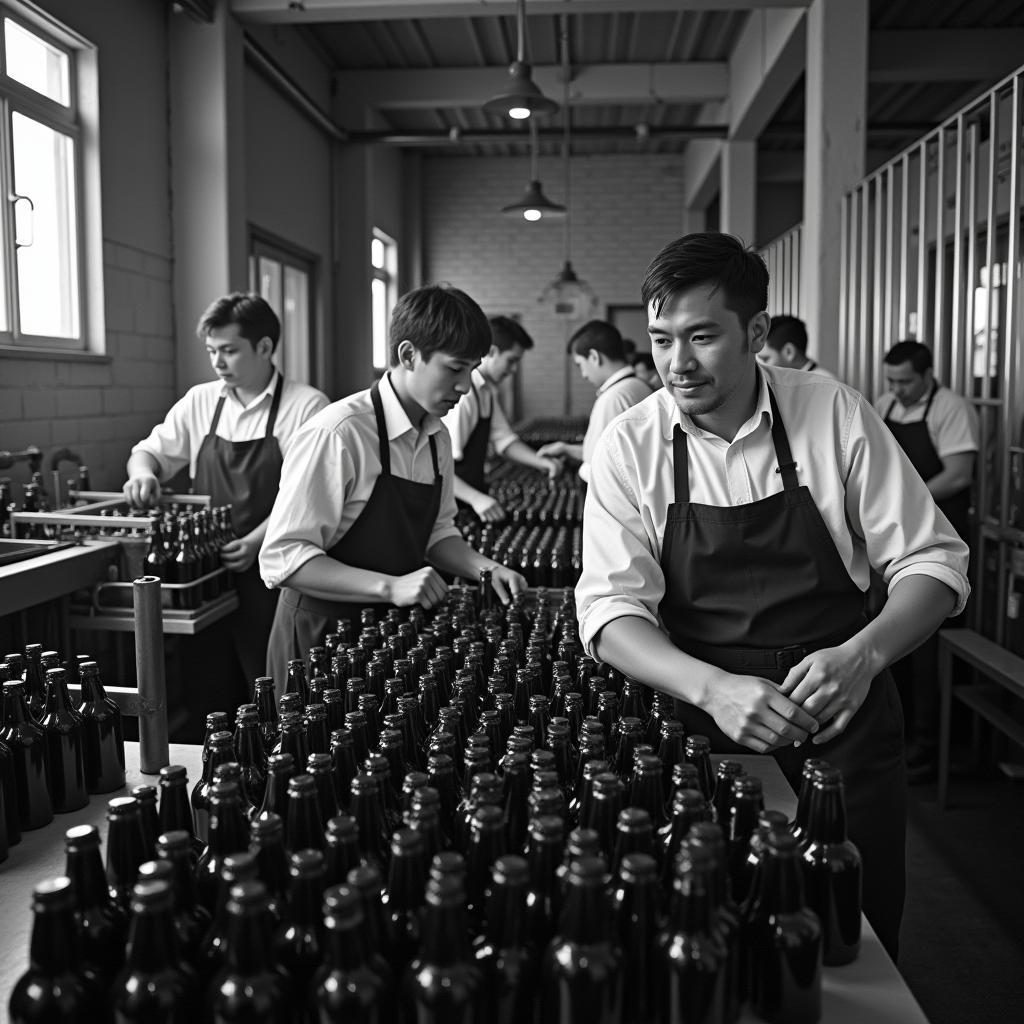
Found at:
[787, 467]
[931, 398]
[275, 404]
[680, 464]
[383, 445]
[216, 417]
[433, 456]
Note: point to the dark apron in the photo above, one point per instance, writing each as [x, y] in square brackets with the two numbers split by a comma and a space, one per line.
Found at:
[915, 441]
[474, 452]
[246, 475]
[389, 536]
[753, 589]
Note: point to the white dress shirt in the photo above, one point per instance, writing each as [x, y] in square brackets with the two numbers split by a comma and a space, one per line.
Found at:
[331, 469]
[814, 367]
[175, 442]
[875, 506]
[620, 391]
[482, 400]
[952, 421]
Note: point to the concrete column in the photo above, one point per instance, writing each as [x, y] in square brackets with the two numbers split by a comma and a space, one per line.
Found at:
[693, 219]
[739, 189]
[207, 177]
[835, 129]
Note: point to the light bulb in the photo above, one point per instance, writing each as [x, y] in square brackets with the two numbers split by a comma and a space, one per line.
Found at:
[519, 113]
[532, 215]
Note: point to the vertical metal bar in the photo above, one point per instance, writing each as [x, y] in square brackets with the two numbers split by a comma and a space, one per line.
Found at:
[1012, 299]
[939, 274]
[954, 374]
[864, 339]
[971, 273]
[845, 284]
[799, 243]
[922, 244]
[877, 334]
[904, 242]
[149, 666]
[890, 268]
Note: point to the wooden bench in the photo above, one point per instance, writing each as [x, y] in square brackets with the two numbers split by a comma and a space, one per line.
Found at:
[1004, 671]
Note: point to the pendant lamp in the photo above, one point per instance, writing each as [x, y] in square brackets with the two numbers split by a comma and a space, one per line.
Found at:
[534, 205]
[521, 97]
[567, 296]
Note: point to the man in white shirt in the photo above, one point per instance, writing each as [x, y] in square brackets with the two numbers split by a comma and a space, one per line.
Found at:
[479, 421]
[938, 431]
[731, 525]
[644, 368]
[232, 434]
[366, 512]
[600, 356]
[786, 345]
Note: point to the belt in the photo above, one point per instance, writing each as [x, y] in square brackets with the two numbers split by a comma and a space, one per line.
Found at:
[734, 659]
[329, 609]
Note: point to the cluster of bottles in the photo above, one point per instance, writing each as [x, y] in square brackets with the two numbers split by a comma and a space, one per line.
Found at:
[184, 548]
[530, 498]
[53, 754]
[36, 498]
[545, 429]
[547, 556]
[448, 822]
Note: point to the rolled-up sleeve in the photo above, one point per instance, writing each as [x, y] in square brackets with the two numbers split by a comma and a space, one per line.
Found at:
[889, 505]
[307, 515]
[170, 442]
[621, 561]
[502, 435]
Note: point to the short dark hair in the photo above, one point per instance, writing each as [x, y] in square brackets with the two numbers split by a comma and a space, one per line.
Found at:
[919, 356]
[710, 258]
[598, 336]
[788, 330]
[644, 359]
[439, 318]
[506, 333]
[250, 311]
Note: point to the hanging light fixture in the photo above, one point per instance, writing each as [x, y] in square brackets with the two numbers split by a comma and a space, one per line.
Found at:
[567, 296]
[521, 97]
[534, 205]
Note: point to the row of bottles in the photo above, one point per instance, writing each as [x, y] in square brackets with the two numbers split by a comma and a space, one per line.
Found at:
[530, 498]
[546, 429]
[546, 556]
[446, 820]
[185, 548]
[53, 753]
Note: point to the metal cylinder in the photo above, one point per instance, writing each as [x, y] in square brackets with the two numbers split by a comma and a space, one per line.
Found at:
[149, 668]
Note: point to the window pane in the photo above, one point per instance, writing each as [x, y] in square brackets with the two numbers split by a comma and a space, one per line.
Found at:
[295, 324]
[379, 291]
[36, 63]
[44, 171]
[270, 282]
[377, 253]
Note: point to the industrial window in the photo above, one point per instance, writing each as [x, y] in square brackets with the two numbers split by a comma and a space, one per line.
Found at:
[43, 289]
[383, 292]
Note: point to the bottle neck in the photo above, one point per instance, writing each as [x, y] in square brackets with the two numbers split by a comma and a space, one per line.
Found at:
[782, 884]
[304, 896]
[88, 879]
[175, 810]
[584, 919]
[826, 815]
[692, 902]
[506, 916]
[249, 948]
[52, 949]
[445, 935]
[152, 941]
[228, 832]
[346, 946]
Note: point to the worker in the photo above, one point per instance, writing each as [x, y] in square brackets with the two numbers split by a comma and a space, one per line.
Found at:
[730, 527]
[479, 421]
[599, 355]
[786, 345]
[232, 434]
[644, 368]
[938, 430]
[366, 513]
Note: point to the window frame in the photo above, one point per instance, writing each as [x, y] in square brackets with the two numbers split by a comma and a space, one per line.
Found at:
[388, 274]
[16, 97]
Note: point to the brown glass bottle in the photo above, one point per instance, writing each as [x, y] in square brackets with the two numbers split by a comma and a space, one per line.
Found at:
[403, 896]
[351, 985]
[209, 958]
[219, 750]
[581, 969]
[27, 744]
[636, 900]
[185, 567]
[266, 711]
[697, 751]
[228, 834]
[298, 941]
[51, 989]
[280, 770]
[190, 918]
[35, 681]
[102, 735]
[250, 753]
[62, 729]
[125, 850]
[175, 812]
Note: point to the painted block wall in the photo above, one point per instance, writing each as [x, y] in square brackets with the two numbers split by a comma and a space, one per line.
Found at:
[624, 209]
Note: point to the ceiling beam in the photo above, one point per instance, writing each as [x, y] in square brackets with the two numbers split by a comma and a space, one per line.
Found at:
[298, 11]
[944, 54]
[694, 82]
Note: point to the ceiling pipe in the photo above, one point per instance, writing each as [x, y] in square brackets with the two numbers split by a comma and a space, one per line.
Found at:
[465, 137]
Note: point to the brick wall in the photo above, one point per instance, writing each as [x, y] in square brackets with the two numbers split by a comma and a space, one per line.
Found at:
[99, 409]
[624, 208]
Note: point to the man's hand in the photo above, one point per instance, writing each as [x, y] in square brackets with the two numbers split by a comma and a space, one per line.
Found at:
[487, 509]
[423, 587]
[755, 713]
[141, 490]
[553, 467]
[238, 555]
[506, 582]
[830, 684]
[553, 449]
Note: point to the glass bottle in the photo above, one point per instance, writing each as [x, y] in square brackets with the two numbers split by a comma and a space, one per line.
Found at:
[303, 826]
[175, 812]
[607, 799]
[320, 767]
[102, 735]
[155, 984]
[726, 774]
[27, 744]
[62, 729]
[636, 900]
[646, 789]
[280, 770]
[266, 711]
[367, 810]
[487, 842]
[295, 681]
[266, 841]
[688, 808]
[807, 770]
[543, 895]
[35, 681]
[351, 985]
[149, 818]
[209, 958]
[344, 765]
[633, 834]
[691, 956]
[403, 896]
[125, 851]
[581, 969]
[185, 567]
[832, 868]
[697, 751]
[341, 852]
[219, 750]
[51, 989]
[298, 940]
[442, 984]
[670, 753]
[228, 833]
[250, 987]
[155, 562]
[784, 938]
[190, 918]
[517, 790]
[746, 804]
[501, 951]
[250, 753]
